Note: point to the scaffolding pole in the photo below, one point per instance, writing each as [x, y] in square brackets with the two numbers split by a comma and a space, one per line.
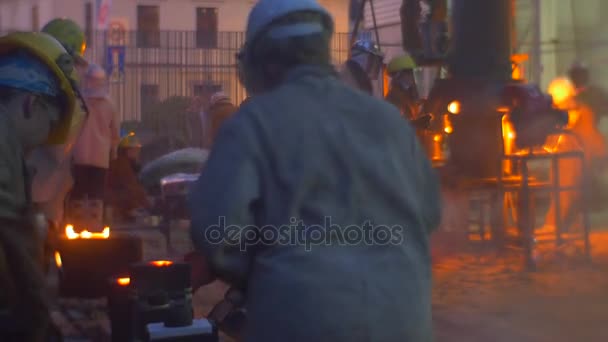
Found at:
[537, 65]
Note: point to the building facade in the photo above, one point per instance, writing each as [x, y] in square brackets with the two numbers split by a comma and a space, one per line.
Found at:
[569, 30]
[156, 49]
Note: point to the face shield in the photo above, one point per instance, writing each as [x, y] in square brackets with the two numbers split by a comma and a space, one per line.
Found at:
[425, 77]
[371, 63]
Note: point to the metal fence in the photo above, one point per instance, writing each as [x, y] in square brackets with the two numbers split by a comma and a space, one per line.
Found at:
[146, 68]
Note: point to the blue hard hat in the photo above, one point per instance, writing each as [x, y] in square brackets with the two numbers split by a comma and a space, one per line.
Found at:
[25, 72]
[265, 12]
[367, 47]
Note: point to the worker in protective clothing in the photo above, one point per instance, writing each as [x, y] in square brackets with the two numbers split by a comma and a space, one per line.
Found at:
[53, 180]
[306, 160]
[403, 92]
[220, 109]
[587, 93]
[125, 194]
[97, 143]
[37, 101]
[364, 66]
[72, 37]
[584, 136]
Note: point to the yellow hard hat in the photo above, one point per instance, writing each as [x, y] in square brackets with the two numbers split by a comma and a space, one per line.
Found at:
[562, 90]
[129, 141]
[401, 63]
[60, 64]
[70, 35]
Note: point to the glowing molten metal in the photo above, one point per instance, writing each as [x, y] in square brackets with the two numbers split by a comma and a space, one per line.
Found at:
[161, 263]
[123, 281]
[454, 107]
[85, 234]
[58, 261]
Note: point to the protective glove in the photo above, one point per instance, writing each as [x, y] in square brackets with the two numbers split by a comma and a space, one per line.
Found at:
[200, 269]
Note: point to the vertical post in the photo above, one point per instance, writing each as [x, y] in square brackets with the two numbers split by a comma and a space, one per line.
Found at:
[557, 193]
[373, 11]
[585, 209]
[526, 227]
[536, 44]
[355, 32]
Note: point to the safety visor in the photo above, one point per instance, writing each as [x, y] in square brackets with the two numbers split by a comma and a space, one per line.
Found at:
[372, 63]
[405, 79]
[425, 77]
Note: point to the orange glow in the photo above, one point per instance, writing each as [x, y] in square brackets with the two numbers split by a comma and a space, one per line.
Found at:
[161, 263]
[85, 234]
[385, 81]
[83, 48]
[454, 107]
[123, 281]
[518, 71]
[561, 90]
[437, 151]
[508, 136]
[447, 124]
[58, 261]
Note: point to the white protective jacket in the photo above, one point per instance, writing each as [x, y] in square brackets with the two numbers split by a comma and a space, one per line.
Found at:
[100, 134]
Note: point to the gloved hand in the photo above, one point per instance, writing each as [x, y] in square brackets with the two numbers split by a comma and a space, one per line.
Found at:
[229, 314]
[201, 274]
[422, 122]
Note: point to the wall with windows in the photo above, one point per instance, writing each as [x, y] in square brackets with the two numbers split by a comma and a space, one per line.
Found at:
[173, 47]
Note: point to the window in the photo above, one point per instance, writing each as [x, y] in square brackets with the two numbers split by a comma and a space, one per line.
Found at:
[35, 19]
[88, 22]
[206, 28]
[148, 26]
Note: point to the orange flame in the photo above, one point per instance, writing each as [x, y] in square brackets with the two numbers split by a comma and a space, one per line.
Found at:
[58, 261]
[454, 107]
[85, 234]
[161, 263]
[123, 281]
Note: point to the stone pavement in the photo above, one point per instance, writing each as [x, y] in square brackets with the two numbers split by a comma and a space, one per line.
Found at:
[478, 295]
[488, 297]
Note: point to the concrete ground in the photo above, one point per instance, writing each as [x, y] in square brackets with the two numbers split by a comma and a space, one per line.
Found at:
[478, 295]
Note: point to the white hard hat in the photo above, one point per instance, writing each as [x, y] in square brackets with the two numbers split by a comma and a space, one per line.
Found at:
[218, 97]
[265, 12]
[96, 82]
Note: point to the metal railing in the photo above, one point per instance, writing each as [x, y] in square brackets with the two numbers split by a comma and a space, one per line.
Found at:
[148, 67]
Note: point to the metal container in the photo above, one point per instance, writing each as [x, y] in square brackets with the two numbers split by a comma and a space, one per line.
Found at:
[86, 264]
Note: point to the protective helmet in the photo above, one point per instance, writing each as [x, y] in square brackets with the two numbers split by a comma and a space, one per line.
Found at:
[57, 64]
[219, 97]
[70, 35]
[579, 73]
[265, 12]
[401, 63]
[366, 46]
[260, 22]
[129, 141]
[368, 55]
[96, 82]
